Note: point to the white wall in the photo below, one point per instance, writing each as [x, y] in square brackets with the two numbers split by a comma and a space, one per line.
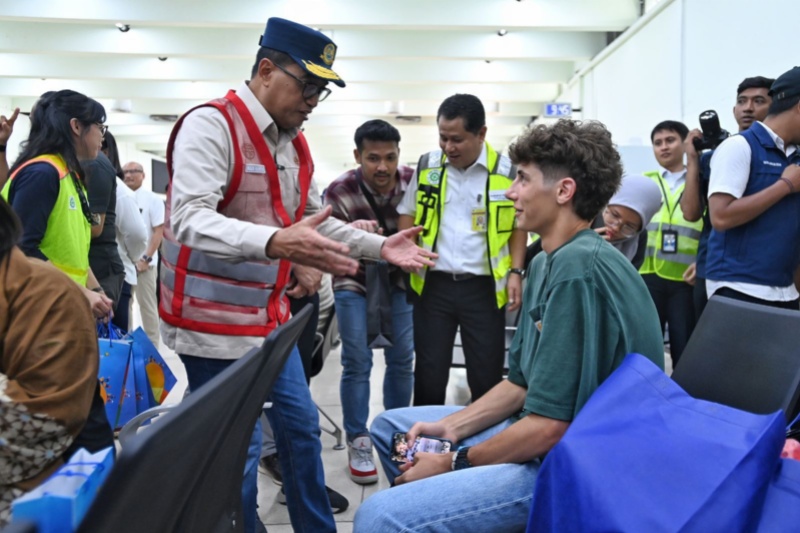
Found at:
[681, 58]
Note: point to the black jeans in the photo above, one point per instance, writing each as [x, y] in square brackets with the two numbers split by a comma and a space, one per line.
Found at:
[700, 297]
[122, 312]
[445, 305]
[675, 306]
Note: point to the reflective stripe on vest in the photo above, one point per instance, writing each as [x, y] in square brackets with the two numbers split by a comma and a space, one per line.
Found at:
[68, 234]
[670, 217]
[209, 295]
[432, 187]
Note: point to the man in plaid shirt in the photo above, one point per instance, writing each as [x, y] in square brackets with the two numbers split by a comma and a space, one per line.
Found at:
[367, 197]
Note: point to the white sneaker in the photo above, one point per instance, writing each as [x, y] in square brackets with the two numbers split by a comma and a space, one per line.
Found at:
[362, 466]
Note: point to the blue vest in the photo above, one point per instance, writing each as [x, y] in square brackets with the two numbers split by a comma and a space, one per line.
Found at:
[766, 250]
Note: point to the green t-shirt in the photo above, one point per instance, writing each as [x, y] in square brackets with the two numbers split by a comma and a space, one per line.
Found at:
[584, 309]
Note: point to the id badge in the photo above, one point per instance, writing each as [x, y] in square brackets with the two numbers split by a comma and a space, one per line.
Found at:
[479, 219]
[669, 241]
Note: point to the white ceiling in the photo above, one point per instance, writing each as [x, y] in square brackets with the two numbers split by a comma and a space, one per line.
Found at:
[397, 57]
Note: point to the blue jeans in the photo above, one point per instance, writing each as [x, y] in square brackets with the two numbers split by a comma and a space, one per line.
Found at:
[398, 381]
[479, 499]
[294, 420]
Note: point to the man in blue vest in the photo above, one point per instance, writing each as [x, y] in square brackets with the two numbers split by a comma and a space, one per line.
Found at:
[754, 247]
[752, 104]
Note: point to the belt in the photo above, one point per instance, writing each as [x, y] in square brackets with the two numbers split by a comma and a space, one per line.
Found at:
[455, 277]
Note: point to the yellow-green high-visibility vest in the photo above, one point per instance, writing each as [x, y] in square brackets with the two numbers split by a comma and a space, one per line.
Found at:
[670, 266]
[431, 191]
[68, 235]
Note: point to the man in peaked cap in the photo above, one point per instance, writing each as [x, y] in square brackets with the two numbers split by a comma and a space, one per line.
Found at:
[754, 248]
[245, 228]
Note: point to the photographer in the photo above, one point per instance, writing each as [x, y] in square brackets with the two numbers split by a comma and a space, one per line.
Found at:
[754, 246]
[752, 104]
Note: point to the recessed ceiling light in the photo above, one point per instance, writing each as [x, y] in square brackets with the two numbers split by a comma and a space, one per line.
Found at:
[124, 28]
[487, 61]
[162, 58]
[502, 32]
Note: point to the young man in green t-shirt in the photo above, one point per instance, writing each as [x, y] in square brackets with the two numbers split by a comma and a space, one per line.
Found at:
[584, 308]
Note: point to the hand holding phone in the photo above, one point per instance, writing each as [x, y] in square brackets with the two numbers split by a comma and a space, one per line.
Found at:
[402, 452]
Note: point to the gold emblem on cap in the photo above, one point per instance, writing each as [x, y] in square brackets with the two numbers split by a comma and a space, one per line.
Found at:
[320, 71]
[329, 54]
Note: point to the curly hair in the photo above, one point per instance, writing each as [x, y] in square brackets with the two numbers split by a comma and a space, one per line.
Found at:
[582, 151]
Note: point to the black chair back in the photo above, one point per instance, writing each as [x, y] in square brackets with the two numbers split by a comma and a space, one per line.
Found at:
[744, 355]
[185, 472]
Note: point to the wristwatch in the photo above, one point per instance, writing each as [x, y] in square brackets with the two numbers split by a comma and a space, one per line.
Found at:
[460, 461]
[2, 148]
[516, 271]
[147, 258]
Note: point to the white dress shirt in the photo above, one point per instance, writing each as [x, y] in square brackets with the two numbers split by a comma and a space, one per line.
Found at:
[131, 231]
[461, 250]
[730, 172]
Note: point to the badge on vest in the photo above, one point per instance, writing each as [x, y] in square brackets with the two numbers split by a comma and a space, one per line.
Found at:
[479, 219]
[497, 196]
[72, 204]
[669, 241]
[255, 169]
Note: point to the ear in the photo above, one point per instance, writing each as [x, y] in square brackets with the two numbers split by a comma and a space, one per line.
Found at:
[565, 190]
[76, 126]
[357, 155]
[265, 68]
[482, 133]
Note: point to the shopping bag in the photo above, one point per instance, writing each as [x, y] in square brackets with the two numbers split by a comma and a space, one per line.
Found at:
[379, 304]
[642, 455]
[153, 378]
[116, 376]
[781, 511]
[60, 503]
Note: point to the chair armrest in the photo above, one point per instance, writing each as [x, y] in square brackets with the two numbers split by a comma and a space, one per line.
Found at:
[133, 425]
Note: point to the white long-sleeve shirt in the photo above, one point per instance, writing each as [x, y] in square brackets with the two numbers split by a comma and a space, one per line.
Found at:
[131, 231]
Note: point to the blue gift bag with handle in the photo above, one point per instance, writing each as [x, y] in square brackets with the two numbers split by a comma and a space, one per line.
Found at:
[116, 375]
[152, 376]
[781, 511]
[59, 504]
[644, 456]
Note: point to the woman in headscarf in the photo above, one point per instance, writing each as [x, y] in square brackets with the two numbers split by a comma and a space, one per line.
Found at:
[625, 218]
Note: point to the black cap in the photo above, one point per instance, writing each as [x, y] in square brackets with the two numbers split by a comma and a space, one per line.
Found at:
[312, 50]
[787, 85]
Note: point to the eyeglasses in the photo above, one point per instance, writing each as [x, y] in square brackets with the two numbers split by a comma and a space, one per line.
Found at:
[612, 218]
[310, 90]
[133, 171]
[103, 128]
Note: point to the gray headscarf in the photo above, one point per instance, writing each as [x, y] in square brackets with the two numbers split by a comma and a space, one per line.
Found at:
[642, 195]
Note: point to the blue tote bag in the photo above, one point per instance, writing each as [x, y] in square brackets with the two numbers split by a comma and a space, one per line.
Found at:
[59, 504]
[644, 456]
[116, 376]
[781, 512]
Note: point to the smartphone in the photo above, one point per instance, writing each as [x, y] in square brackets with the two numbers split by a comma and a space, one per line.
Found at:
[402, 452]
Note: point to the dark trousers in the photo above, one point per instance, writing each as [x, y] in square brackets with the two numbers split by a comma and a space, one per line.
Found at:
[96, 433]
[675, 306]
[700, 297]
[305, 345]
[727, 292]
[445, 305]
[122, 317]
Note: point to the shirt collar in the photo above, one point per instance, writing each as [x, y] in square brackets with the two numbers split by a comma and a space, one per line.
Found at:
[777, 140]
[262, 118]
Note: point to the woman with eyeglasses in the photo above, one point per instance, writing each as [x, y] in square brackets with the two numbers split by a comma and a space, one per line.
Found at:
[627, 214]
[47, 187]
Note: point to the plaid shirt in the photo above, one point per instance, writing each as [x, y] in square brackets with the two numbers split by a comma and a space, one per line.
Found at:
[349, 204]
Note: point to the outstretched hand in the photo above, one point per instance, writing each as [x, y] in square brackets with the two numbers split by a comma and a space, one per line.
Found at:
[301, 243]
[7, 126]
[401, 249]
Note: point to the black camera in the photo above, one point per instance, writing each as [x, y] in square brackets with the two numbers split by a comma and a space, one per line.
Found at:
[713, 134]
